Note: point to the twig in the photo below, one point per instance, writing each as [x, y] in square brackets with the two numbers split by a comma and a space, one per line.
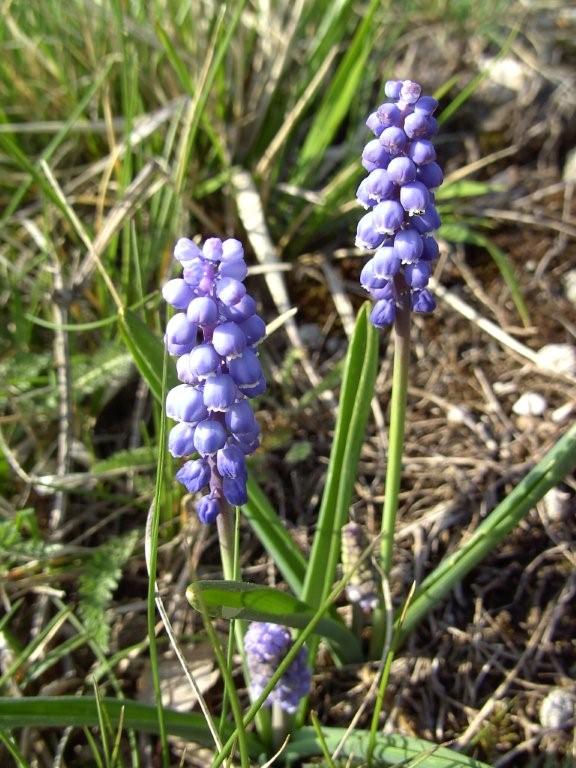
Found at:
[64, 387]
[455, 302]
[462, 741]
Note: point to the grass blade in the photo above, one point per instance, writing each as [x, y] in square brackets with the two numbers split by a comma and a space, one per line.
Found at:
[339, 95]
[79, 711]
[460, 233]
[550, 470]
[274, 537]
[357, 390]
[147, 352]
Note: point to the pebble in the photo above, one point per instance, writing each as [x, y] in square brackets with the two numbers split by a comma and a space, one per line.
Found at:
[557, 504]
[530, 404]
[563, 413]
[569, 172]
[557, 709]
[559, 358]
[569, 281]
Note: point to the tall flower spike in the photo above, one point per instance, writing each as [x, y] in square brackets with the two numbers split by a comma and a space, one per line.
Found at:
[265, 646]
[400, 191]
[214, 336]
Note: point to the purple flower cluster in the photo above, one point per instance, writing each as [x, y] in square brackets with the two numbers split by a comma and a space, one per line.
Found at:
[265, 646]
[214, 335]
[399, 190]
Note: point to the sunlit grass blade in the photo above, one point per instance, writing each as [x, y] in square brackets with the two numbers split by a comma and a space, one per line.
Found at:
[321, 740]
[251, 602]
[339, 95]
[151, 552]
[460, 233]
[147, 352]
[58, 139]
[550, 470]
[13, 750]
[356, 394]
[472, 86]
[274, 537]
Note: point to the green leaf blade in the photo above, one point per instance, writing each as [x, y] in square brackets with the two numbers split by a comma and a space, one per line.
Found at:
[252, 602]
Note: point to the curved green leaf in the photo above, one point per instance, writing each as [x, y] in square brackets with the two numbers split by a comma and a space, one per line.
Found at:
[550, 470]
[80, 711]
[460, 233]
[391, 749]
[147, 352]
[251, 602]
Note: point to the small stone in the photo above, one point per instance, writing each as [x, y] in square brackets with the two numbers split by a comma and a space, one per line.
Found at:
[458, 415]
[530, 404]
[569, 281]
[557, 709]
[559, 358]
[557, 503]
[569, 172]
[562, 413]
[507, 72]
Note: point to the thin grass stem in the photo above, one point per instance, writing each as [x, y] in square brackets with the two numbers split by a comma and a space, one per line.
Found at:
[152, 561]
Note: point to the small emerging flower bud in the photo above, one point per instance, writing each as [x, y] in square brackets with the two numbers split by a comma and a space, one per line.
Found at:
[364, 584]
[208, 509]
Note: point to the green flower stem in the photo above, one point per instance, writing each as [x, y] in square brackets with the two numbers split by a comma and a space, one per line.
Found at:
[230, 688]
[153, 535]
[395, 450]
[282, 723]
[228, 538]
[396, 435]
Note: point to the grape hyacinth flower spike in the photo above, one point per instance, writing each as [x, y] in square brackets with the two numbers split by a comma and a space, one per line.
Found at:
[399, 193]
[214, 335]
[265, 646]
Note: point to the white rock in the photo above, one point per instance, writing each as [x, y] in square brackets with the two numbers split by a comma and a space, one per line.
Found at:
[556, 709]
[530, 404]
[507, 72]
[458, 415]
[569, 281]
[556, 504]
[563, 413]
[569, 172]
[559, 358]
